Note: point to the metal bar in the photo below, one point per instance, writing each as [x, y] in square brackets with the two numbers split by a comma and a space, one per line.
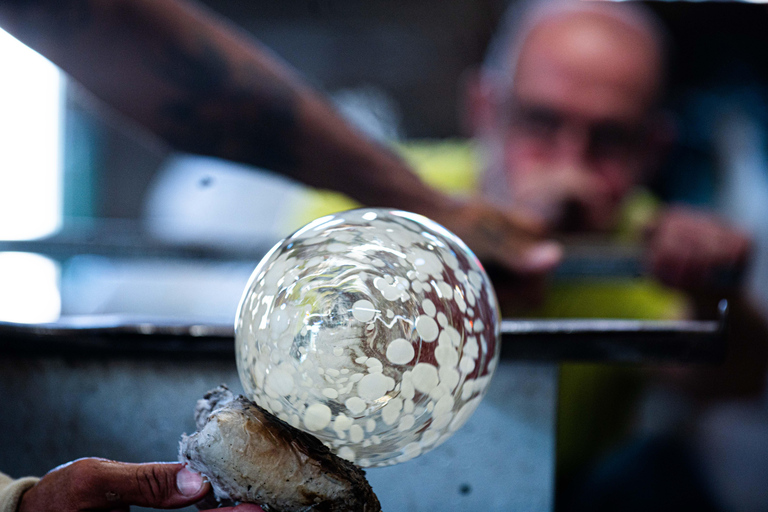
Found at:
[104, 335]
[629, 341]
[532, 340]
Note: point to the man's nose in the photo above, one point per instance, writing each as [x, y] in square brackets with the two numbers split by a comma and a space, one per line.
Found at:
[572, 146]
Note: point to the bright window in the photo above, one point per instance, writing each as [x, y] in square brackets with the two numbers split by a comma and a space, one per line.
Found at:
[30, 142]
[30, 179]
[29, 288]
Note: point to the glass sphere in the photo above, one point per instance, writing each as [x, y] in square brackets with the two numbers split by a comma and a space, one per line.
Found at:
[375, 330]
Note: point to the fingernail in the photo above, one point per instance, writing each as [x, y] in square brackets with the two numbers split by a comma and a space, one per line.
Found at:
[249, 507]
[544, 256]
[188, 482]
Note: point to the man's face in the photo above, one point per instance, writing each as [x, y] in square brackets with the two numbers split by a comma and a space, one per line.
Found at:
[574, 123]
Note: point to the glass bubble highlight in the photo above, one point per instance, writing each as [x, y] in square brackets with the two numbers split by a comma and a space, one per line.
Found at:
[375, 330]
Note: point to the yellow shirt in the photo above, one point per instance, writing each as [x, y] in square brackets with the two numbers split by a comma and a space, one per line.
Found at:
[452, 166]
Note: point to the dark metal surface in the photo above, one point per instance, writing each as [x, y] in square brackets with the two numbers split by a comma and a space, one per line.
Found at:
[98, 336]
[541, 340]
[626, 341]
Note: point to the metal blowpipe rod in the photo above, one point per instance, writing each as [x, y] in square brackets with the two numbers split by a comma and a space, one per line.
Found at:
[629, 341]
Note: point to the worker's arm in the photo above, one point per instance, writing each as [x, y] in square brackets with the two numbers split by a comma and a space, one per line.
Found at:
[204, 86]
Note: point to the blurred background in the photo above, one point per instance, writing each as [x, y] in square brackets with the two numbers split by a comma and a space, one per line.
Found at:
[396, 69]
[98, 218]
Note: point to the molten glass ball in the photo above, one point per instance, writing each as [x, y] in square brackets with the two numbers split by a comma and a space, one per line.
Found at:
[375, 330]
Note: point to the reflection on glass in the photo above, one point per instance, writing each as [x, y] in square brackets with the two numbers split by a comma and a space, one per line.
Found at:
[30, 143]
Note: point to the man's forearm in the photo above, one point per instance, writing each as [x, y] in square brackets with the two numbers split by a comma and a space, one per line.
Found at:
[206, 87]
[174, 68]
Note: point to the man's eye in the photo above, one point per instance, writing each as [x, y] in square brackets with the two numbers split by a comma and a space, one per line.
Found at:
[539, 122]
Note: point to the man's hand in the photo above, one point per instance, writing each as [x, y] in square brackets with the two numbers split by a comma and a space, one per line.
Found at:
[565, 199]
[103, 485]
[697, 252]
[511, 241]
[512, 247]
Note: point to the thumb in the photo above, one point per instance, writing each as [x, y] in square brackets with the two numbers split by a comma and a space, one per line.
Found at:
[519, 242]
[539, 257]
[155, 485]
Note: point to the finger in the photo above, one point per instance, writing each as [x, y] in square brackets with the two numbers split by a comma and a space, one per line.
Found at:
[672, 265]
[525, 250]
[738, 248]
[666, 257]
[509, 239]
[112, 485]
[713, 253]
[696, 251]
[524, 255]
[526, 223]
[537, 258]
[727, 262]
[696, 274]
